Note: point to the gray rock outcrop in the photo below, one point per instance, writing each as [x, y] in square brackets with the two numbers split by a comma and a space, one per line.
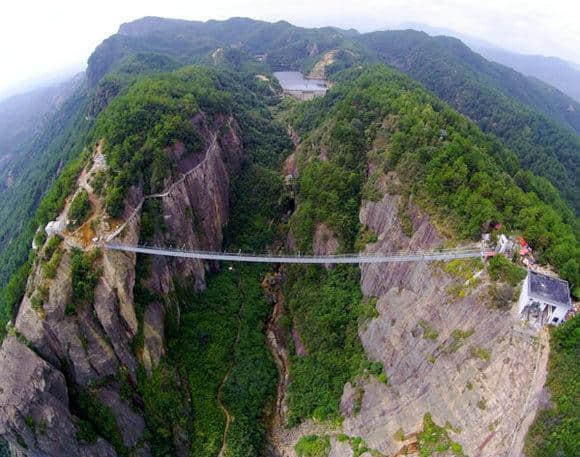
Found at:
[53, 351]
[449, 355]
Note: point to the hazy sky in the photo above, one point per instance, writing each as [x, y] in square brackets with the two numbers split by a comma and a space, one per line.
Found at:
[41, 37]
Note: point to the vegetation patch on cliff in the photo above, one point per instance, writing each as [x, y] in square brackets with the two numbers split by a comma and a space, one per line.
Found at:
[434, 440]
[501, 269]
[96, 419]
[327, 307]
[313, 446]
[84, 276]
[79, 209]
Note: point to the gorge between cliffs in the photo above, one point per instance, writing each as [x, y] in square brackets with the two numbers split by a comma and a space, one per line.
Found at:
[116, 354]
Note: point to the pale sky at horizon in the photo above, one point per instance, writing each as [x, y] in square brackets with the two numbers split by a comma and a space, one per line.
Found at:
[39, 38]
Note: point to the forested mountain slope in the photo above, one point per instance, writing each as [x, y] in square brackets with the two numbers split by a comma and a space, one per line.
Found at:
[530, 116]
[285, 45]
[526, 114]
[552, 70]
[562, 74]
[38, 160]
[24, 116]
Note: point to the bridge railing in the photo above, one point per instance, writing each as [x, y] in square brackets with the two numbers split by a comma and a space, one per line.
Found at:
[360, 257]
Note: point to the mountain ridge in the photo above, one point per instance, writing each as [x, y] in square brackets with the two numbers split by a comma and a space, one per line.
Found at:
[558, 72]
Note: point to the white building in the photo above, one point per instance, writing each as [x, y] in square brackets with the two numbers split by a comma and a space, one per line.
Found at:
[544, 299]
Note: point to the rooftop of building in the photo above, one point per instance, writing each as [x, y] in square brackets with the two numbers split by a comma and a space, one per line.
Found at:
[549, 288]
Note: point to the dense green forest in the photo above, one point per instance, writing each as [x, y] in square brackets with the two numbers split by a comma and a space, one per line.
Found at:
[60, 142]
[540, 125]
[327, 308]
[216, 355]
[556, 429]
[459, 174]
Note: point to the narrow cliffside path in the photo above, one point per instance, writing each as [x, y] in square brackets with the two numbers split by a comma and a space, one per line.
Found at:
[210, 150]
[227, 414]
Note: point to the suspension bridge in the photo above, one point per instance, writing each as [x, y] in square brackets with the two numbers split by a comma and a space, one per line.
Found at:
[357, 258]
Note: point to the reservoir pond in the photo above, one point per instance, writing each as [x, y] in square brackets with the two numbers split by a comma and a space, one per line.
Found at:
[295, 81]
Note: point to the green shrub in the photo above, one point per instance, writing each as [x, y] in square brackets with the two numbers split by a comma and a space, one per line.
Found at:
[50, 267]
[480, 353]
[37, 302]
[429, 332]
[51, 246]
[501, 269]
[382, 377]
[79, 209]
[462, 269]
[40, 238]
[458, 336]
[313, 446]
[364, 237]
[376, 368]
[370, 190]
[368, 309]
[405, 219]
[98, 182]
[358, 445]
[434, 440]
[84, 276]
[399, 435]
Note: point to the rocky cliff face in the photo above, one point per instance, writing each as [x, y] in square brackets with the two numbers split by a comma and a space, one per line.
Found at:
[445, 350]
[52, 352]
